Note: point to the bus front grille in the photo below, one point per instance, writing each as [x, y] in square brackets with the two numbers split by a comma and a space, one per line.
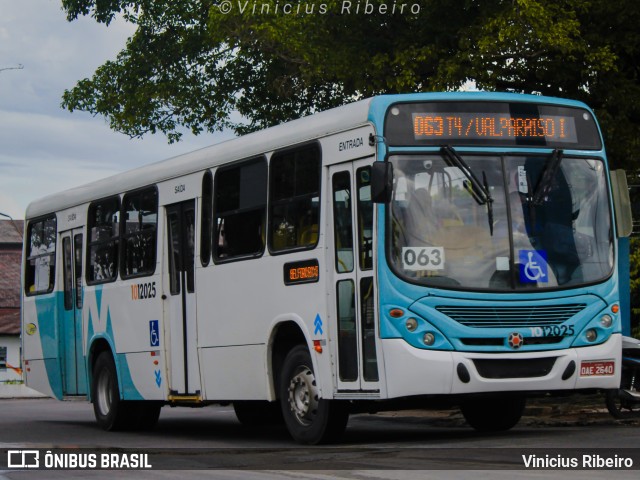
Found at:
[502, 341]
[511, 317]
[525, 368]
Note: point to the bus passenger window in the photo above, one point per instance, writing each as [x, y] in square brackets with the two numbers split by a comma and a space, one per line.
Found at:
[205, 230]
[240, 209]
[342, 222]
[294, 198]
[365, 218]
[102, 250]
[140, 223]
[41, 256]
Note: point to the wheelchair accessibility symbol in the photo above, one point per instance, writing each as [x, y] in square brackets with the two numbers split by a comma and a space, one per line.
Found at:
[154, 333]
[533, 266]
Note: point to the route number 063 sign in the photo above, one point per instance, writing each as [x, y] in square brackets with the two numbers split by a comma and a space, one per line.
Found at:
[423, 258]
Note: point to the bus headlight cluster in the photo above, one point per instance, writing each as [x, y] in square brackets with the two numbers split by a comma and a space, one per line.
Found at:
[606, 321]
[591, 335]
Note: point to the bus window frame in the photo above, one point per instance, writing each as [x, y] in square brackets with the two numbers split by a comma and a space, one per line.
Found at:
[206, 213]
[259, 159]
[90, 243]
[315, 144]
[123, 236]
[27, 258]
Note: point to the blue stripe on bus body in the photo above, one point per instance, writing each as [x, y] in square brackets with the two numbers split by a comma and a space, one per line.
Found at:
[52, 336]
[128, 390]
[46, 307]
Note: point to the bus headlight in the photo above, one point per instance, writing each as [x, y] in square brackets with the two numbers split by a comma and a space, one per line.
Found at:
[429, 339]
[606, 321]
[591, 335]
[411, 324]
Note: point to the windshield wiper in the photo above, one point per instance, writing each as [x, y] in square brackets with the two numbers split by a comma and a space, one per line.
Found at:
[489, 202]
[544, 185]
[479, 192]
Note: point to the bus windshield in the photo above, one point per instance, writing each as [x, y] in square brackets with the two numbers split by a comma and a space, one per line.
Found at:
[540, 230]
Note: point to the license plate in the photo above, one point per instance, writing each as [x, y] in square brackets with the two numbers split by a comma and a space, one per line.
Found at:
[597, 369]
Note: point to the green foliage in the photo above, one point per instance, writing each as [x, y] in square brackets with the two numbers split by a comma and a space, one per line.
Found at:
[190, 64]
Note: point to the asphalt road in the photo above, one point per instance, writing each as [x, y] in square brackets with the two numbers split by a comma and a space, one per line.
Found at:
[210, 442]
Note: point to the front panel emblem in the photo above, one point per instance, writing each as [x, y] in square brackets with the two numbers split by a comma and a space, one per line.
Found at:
[30, 328]
[515, 340]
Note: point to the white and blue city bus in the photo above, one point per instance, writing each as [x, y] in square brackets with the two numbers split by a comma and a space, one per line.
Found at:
[452, 248]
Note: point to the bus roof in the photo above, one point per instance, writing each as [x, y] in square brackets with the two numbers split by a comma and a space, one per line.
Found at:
[287, 134]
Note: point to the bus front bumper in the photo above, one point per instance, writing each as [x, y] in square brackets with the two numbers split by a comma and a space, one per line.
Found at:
[412, 371]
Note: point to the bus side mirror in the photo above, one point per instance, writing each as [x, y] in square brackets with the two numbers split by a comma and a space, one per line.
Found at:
[381, 182]
[621, 203]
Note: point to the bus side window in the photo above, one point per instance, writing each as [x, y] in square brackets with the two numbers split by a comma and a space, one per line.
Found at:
[205, 230]
[139, 233]
[365, 218]
[41, 256]
[294, 198]
[102, 248]
[239, 211]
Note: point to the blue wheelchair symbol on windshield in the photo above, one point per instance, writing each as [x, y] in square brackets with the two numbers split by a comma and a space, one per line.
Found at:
[533, 266]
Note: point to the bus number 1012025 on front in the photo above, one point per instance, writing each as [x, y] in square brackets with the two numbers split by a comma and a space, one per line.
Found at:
[552, 331]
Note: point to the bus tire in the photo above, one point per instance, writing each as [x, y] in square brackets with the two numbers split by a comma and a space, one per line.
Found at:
[493, 414]
[258, 413]
[310, 419]
[110, 411]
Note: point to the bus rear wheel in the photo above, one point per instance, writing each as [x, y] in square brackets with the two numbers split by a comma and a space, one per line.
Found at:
[310, 419]
[493, 414]
[110, 411]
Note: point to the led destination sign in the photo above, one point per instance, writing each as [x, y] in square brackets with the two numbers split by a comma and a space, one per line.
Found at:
[456, 126]
[305, 271]
[491, 124]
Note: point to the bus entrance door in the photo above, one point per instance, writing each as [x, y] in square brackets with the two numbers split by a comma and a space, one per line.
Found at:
[74, 368]
[352, 226]
[184, 374]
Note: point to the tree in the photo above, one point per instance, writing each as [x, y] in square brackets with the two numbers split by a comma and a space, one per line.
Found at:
[192, 64]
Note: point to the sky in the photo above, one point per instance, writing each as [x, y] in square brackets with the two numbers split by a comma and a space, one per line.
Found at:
[43, 148]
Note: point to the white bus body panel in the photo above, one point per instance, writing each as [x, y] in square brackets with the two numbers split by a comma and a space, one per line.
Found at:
[236, 373]
[124, 321]
[179, 189]
[37, 378]
[239, 304]
[347, 146]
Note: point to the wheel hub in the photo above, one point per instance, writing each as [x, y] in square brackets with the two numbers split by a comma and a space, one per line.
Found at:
[104, 391]
[303, 396]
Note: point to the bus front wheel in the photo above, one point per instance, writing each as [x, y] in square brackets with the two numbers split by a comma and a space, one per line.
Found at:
[310, 419]
[493, 414]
